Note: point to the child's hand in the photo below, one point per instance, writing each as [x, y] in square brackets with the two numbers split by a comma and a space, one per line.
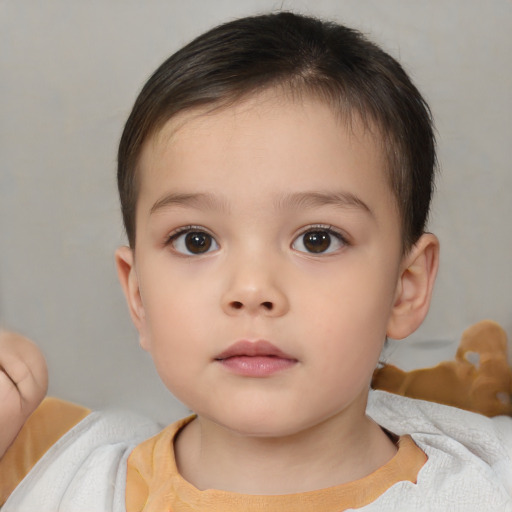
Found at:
[23, 384]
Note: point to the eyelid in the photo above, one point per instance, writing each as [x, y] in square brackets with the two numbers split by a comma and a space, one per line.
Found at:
[337, 233]
[183, 230]
[324, 227]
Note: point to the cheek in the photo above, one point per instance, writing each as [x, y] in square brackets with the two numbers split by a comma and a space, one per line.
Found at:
[171, 296]
[177, 313]
[171, 337]
[359, 297]
[348, 316]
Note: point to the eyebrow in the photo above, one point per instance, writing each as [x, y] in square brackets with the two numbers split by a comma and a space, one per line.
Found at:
[307, 200]
[297, 201]
[204, 201]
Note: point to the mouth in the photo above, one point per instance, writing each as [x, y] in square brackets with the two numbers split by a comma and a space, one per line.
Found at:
[255, 359]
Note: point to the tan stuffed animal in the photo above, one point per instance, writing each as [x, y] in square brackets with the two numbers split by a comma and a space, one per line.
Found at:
[479, 379]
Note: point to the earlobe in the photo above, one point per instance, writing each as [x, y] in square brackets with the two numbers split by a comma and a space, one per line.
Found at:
[414, 287]
[130, 283]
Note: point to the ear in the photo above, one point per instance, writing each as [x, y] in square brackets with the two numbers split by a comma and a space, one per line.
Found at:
[129, 280]
[414, 287]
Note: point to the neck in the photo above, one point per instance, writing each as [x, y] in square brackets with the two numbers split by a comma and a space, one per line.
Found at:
[331, 453]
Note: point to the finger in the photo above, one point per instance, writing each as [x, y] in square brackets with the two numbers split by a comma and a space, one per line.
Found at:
[4, 373]
[23, 363]
[8, 390]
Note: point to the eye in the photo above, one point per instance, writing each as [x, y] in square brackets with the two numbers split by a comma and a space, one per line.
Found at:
[319, 241]
[193, 242]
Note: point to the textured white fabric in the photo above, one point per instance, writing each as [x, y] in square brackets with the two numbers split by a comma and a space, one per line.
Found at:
[470, 457]
[85, 471]
[469, 467]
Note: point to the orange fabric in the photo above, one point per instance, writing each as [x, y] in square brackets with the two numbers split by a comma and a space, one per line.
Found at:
[154, 484]
[47, 424]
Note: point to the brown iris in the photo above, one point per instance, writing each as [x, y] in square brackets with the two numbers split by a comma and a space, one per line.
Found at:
[198, 242]
[316, 241]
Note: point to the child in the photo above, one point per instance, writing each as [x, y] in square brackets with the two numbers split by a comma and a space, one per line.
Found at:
[275, 178]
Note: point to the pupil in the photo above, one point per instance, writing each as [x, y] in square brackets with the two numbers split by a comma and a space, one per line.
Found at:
[197, 242]
[317, 241]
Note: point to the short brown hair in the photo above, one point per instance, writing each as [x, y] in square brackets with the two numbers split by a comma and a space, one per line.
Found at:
[306, 56]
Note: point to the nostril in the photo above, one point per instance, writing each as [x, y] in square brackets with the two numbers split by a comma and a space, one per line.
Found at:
[237, 305]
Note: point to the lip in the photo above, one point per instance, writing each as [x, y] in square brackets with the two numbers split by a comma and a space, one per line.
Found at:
[253, 349]
[255, 359]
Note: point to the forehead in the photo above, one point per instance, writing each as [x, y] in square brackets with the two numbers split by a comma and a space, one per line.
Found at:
[266, 144]
[268, 119]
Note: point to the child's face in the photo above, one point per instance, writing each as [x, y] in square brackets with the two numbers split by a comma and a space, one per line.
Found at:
[269, 224]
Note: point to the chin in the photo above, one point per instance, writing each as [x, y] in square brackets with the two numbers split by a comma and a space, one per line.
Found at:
[261, 424]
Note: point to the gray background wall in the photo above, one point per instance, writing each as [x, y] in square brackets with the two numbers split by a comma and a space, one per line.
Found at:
[69, 72]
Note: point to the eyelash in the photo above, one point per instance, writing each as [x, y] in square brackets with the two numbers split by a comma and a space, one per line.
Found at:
[341, 238]
[173, 235]
[329, 229]
[176, 234]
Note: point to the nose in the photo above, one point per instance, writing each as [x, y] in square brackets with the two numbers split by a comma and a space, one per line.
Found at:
[253, 289]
